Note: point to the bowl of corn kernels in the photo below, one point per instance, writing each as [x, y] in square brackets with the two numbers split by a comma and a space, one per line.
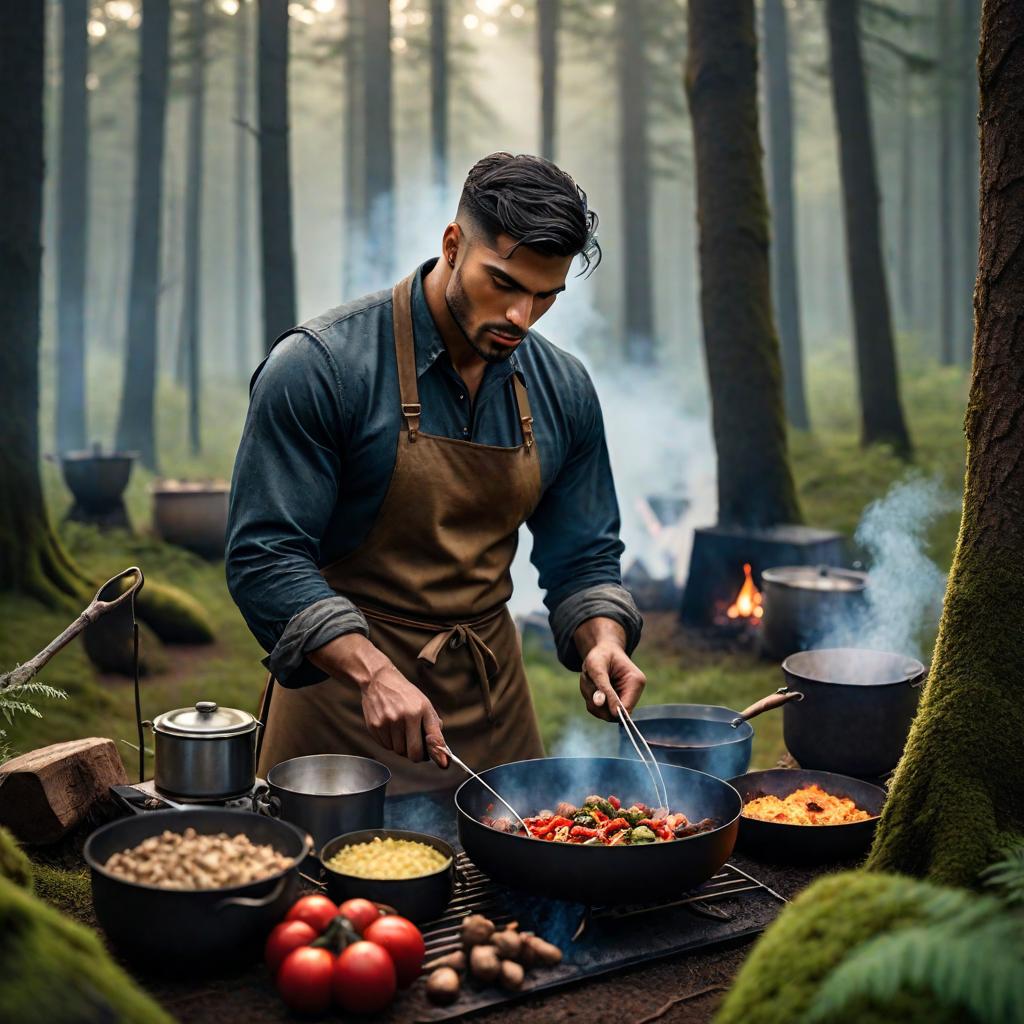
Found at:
[412, 872]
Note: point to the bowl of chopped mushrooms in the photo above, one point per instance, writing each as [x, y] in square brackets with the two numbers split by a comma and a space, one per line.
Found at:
[196, 888]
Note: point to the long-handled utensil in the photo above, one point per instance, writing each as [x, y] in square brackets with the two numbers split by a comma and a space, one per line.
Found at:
[465, 767]
[650, 763]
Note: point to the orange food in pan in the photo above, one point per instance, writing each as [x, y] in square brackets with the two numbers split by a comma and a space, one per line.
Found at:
[809, 805]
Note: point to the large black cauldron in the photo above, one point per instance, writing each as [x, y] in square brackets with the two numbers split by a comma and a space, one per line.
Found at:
[596, 875]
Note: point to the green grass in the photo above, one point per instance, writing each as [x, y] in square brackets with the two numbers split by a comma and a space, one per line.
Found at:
[836, 480]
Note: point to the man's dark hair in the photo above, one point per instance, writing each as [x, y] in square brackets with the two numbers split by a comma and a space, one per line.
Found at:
[534, 202]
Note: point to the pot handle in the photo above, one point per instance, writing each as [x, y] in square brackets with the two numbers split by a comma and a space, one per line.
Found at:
[249, 901]
[783, 695]
[264, 802]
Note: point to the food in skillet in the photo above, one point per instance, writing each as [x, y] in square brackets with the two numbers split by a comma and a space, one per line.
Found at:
[603, 821]
[809, 805]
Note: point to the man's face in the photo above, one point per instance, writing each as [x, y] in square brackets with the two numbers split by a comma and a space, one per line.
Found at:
[495, 300]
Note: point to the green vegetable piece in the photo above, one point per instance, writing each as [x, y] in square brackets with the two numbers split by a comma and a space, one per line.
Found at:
[584, 819]
[642, 834]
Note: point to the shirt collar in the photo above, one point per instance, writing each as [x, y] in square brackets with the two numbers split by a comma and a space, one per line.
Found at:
[427, 338]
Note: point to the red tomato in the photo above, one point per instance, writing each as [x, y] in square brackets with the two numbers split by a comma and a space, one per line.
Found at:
[402, 939]
[364, 978]
[359, 912]
[316, 911]
[305, 979]
[285, 937]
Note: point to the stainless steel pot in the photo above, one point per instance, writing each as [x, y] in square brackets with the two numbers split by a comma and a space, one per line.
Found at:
[802, 602]
[327, 795]
[205, 752]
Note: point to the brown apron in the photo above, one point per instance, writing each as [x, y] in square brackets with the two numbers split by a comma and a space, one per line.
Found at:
[432, 578]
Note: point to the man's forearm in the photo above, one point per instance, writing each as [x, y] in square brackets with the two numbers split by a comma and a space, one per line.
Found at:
[590, 632]
[350, 658]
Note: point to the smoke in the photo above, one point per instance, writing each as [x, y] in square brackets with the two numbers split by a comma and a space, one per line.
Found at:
[903, 599]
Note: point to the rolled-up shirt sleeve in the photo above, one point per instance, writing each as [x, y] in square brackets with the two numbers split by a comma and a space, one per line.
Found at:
[576, 545]
[283, 491]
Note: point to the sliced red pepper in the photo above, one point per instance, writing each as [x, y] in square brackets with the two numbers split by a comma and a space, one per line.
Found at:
[614, 826]
[614, 801]
[551, 825]
[596, 814]
[584, 832]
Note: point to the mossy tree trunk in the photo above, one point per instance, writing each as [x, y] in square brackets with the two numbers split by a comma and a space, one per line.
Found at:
[31, 559]
[755, 483]
[278, 258]
[243, 195]
[548, 16]
[881, 411]
[944, 83]
[785, 276]
[136, 425]
[958, 793]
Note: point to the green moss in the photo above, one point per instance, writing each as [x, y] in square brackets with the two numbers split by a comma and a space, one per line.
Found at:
[812, 936]
[14, 865]
[67, 891]
[57, 971]
[174, 616]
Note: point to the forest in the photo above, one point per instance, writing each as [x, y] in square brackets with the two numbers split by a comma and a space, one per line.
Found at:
[805, 338]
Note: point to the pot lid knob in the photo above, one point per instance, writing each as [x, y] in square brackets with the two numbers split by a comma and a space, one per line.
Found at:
[206, 707]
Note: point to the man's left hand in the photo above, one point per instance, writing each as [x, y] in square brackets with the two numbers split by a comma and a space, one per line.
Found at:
[608, 678]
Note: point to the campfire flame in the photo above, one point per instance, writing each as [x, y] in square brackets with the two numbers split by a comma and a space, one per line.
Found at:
[748, 601]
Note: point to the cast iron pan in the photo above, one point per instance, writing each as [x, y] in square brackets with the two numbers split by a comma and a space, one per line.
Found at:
[819, 844]
[596, 875]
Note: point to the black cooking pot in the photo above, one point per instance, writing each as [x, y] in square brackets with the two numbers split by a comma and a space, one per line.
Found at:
[819, 844]
[97, 480]
[174, 930]
[704, 737]
[856, 712]
[596, 875]
[419, 899]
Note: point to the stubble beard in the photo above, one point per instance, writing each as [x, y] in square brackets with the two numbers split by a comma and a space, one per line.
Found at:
[458, 306]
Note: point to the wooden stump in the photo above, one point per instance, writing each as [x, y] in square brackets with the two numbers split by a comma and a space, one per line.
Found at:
[47, 792]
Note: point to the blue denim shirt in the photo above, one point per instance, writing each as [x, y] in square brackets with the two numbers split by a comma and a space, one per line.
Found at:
[318, 451]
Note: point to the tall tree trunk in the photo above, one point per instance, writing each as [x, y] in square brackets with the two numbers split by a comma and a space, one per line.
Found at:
[193, 220]
[755, 484]
[379, 217]
[439, 92]
[881, 411]
[73, 226]
[548, 16]
[958, 792]
[353, 246]
[947, 285]
[278, 260]
[243, 194]
[31, 559]
[906, 246]
[635, 179]
[967, 148]
[783, 217]
[136, 428]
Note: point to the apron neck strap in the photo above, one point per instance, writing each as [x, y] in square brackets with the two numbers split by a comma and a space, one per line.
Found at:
[405, 352]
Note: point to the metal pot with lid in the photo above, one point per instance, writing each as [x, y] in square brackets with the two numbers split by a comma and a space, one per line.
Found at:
[205, 752]
[802, 602]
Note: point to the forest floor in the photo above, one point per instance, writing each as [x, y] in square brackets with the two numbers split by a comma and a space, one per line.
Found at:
[836, 480]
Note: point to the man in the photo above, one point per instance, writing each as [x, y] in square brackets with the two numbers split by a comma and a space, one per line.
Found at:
[392, 450]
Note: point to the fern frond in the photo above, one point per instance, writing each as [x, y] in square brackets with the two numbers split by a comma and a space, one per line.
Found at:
[1007, 875]
[8, 708]
[36, 689]
[975, 969]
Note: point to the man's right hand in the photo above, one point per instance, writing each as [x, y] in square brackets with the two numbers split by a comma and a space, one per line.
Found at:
[397, 714]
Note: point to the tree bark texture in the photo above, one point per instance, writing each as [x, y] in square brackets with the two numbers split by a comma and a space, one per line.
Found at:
[31, 560]
[755, 484]
[947, 283]
[635, 180]
[785, 275]
[881, 411]
[72, 226]
[136, 428]
[243, 191]
[958, 792]
[439, 92]
[379, 166]
[192, 295]
[548, 17]
[278, 258]
[967, 148]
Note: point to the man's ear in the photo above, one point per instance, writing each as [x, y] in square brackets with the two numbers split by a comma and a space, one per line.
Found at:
[451, 242]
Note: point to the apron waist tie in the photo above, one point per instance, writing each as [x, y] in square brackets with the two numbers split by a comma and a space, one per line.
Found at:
[453, 636]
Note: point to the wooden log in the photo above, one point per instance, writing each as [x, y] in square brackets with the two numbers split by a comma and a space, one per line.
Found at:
[47, 792]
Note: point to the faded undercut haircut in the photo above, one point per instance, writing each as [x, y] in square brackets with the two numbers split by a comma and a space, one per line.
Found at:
[534, 202]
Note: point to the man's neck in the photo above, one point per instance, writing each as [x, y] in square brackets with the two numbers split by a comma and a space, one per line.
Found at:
[467, 364]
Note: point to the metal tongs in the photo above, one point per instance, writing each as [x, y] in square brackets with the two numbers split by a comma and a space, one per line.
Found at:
[652, 766]
[465, 767]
